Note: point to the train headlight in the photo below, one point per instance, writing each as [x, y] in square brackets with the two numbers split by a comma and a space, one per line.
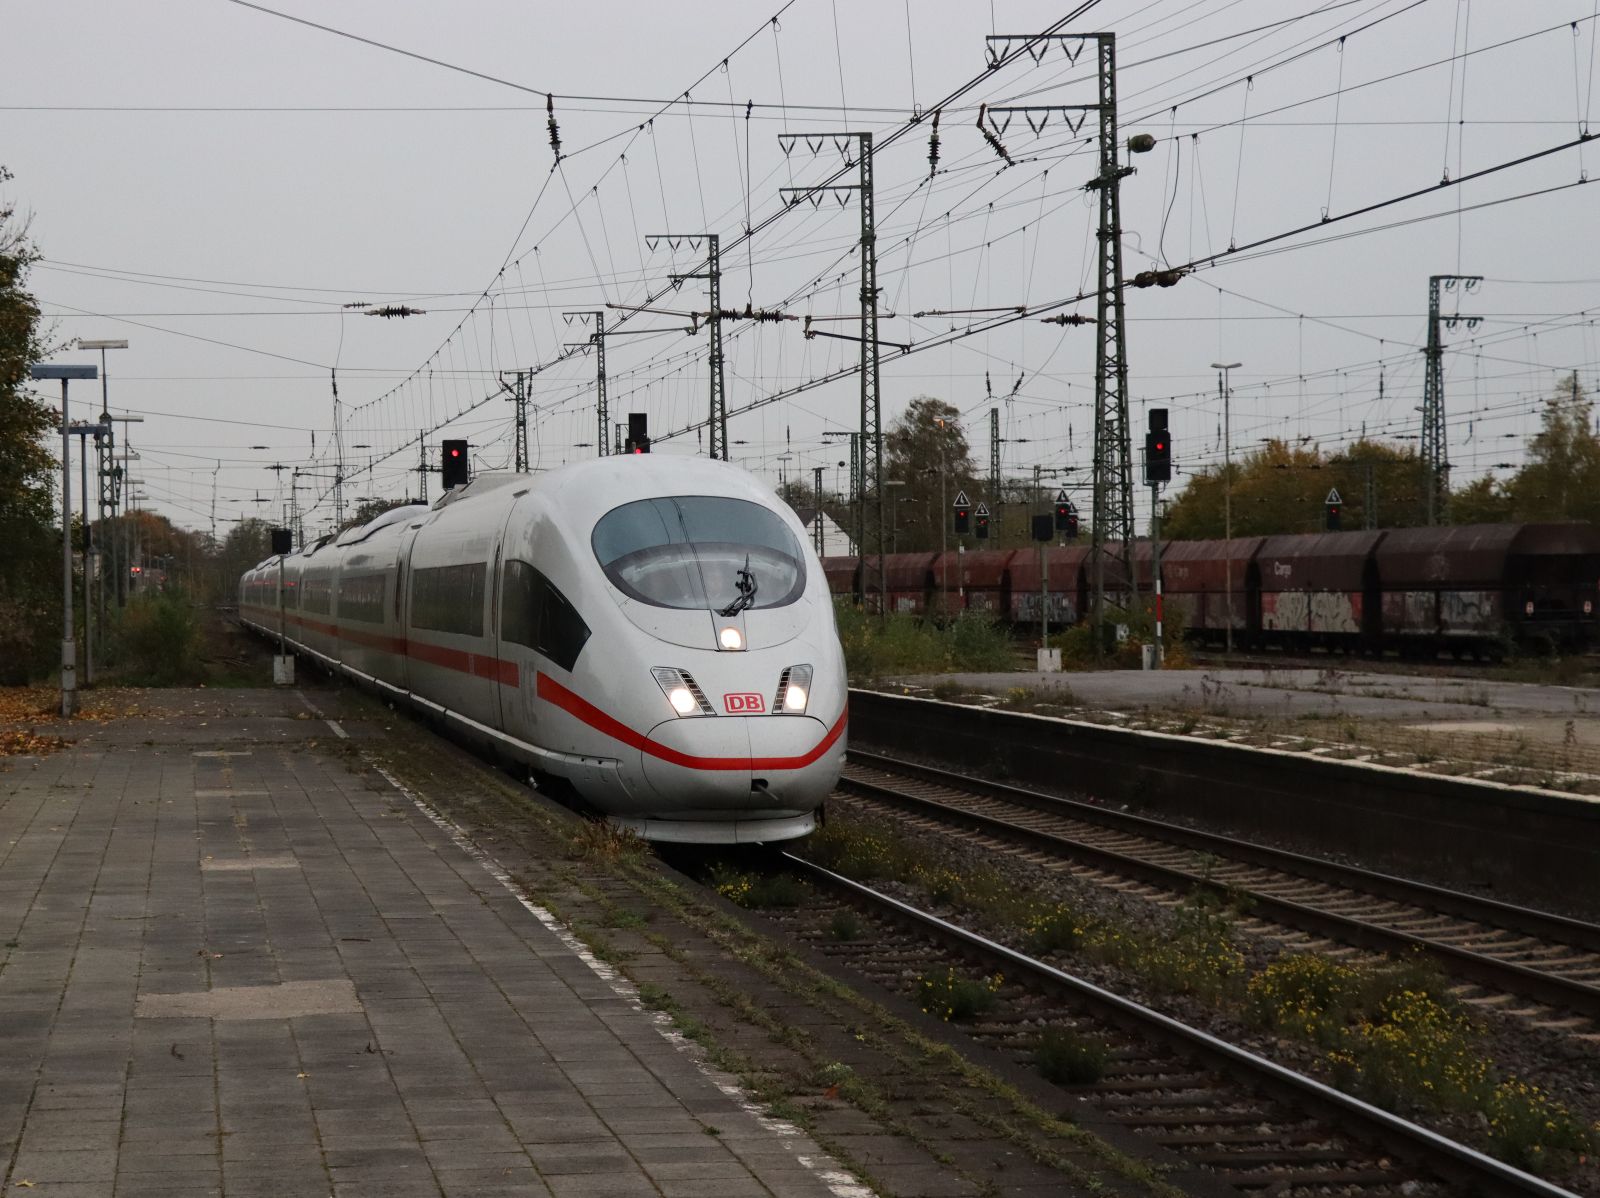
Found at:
[730, 638]
[794, 690]
[681, 691]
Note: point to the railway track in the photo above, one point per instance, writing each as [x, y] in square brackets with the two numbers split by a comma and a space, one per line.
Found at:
[1224, 1120]
[1502, 950]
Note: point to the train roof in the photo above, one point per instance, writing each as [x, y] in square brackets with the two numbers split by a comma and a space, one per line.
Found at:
[1322, 561]
[1477, 554]
[395, 515]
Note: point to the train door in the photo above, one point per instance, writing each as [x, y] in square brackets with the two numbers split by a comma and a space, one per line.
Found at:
[401, 613]
[1371, 607]
[1252, 601]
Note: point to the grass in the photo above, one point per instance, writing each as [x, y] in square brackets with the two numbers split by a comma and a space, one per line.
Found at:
[1394, 1035]
[599, 840]
[1391, 1032]
[1195, 954]
[1069, 1058]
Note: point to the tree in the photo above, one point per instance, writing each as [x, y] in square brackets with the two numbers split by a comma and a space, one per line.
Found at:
[1283, 488]
[1561, 479]
[1482, 501]
[1278, 488]
[28, 591]
[925, 444]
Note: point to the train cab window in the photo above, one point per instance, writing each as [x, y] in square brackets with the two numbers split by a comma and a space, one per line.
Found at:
[689, 551]
[449, 598]
[534, 613]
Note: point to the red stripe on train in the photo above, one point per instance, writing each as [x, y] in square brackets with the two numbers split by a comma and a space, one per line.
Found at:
[477, 664]
[569, 701]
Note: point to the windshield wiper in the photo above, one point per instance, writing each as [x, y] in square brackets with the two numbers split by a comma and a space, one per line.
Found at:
[746, 586]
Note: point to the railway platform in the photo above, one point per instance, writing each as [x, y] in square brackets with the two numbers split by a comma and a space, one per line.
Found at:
[235, 962]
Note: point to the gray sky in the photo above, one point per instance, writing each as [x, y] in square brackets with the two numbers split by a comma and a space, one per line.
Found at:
[215, 183]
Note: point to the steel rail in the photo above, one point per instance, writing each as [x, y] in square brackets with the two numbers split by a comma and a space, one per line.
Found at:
[1465, 963]
[1453, 1161]
[1510, 916]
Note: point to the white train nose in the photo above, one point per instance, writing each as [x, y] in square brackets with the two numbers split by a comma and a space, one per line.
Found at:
[758, 764]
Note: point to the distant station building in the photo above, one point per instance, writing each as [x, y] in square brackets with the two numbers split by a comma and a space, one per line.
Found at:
[835, 541]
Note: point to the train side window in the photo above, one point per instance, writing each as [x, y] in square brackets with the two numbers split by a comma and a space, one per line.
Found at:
[519, 603]
[316, 594]
[536, 614]
[361, 597]
[449, 598]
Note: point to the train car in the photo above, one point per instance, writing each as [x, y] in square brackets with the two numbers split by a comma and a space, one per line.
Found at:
[1198, 578]
[652, 632]
[908, 580]
[1062, 590]
[979, 581]
[843, 575]
[1315, 589]
[1472, 588]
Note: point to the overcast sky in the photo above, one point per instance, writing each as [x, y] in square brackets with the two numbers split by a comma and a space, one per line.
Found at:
[218, 184]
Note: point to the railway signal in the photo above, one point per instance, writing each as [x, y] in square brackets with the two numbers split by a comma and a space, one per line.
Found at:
[983, 521]
[1063, 510]
[1333, 503]
[963, 507]
[638, 433]
[455, 467]
[1158, 449]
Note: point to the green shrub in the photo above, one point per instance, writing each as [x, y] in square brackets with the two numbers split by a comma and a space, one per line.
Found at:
[844, 925]
[28, 650]
[757, 891]
[1531, 1131]
[1077, 644]
[156, 641]
[906, 644]
[1307, 996]
[1054, 928]
[1068, 1059]
[1413, 1048]
[951, 996]
[978, 642]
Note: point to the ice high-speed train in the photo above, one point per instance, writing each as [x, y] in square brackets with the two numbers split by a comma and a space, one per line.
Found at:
[653, 630]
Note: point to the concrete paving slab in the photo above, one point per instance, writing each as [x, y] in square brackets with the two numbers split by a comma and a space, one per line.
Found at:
[234, 964]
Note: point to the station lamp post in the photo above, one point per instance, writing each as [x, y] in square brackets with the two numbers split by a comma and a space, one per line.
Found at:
[1225, 386]
[69, 650]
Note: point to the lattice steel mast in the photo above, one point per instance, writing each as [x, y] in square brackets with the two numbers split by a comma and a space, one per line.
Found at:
[870, 480]
[1435, 444]
[712, 275]
[598, 340]
[1112, 532]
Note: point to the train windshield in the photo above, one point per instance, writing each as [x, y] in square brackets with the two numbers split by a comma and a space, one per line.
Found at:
[699, 552]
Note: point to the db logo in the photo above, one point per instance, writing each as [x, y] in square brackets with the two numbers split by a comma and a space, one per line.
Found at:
[744, 703]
